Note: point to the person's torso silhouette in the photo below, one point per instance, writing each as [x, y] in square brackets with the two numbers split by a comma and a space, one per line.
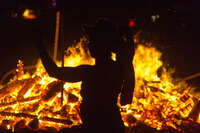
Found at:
[101, 83]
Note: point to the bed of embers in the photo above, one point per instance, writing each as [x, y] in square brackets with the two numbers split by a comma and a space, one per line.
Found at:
[31, 101]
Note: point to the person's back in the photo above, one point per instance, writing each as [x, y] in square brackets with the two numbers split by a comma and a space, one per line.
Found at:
[100, 94]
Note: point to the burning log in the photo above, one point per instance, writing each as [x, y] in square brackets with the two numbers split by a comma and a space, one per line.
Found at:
[53, 89]
[20, 101]
[24, 115]
[29, 84]
[32, 108]
[56, 113]
[63, 121]
[12, 86]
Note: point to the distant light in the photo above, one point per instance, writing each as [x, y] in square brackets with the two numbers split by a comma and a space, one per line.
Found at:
[131, 23]
[155, 17]
[14, 15]
[54, 4]
[113, 56]
[29, 14]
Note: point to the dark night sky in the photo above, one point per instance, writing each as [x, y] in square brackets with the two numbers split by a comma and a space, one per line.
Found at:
[181, 44]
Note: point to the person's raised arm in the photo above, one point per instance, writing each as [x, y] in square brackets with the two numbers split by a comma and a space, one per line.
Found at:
[128, 86]
[69, 74]
[127, 72]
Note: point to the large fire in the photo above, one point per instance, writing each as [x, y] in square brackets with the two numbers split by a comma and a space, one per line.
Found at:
[35, 99]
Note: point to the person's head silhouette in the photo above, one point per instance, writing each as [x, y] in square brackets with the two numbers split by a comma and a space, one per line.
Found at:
[103, 37]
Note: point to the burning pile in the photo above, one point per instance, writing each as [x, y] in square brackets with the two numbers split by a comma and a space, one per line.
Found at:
[159, 101]
[35, 100]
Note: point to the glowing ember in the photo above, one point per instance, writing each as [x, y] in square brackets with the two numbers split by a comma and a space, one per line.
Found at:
[35, 100]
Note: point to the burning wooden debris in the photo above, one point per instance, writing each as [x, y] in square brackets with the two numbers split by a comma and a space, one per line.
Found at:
[33, 102]
[158, 105]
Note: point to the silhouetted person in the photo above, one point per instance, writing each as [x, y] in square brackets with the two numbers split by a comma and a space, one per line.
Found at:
[102, 82]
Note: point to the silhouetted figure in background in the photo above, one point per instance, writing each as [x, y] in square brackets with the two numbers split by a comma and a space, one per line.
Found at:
[102, 82]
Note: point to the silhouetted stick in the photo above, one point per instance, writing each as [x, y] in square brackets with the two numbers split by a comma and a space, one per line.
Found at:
[62, 50]
[56, 35]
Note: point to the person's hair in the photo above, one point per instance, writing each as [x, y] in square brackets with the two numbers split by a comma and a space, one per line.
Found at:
[104, 34]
